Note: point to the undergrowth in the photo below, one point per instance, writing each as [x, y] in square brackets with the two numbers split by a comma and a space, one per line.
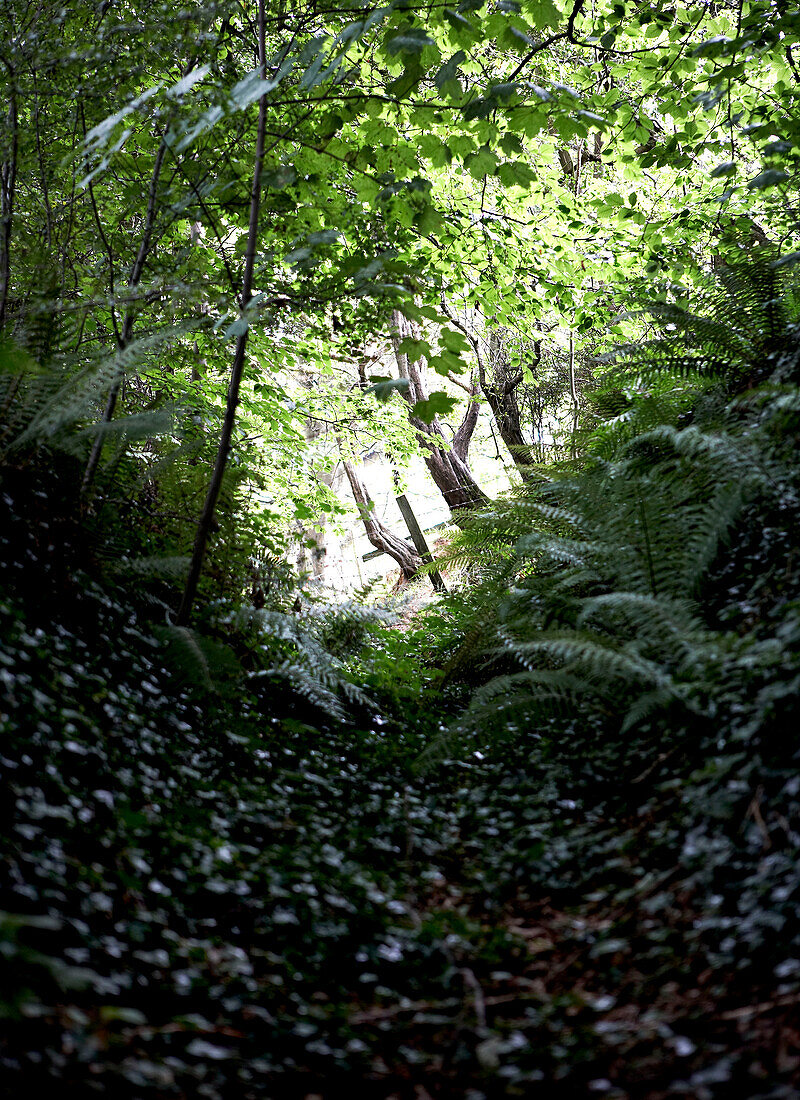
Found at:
[543, 843]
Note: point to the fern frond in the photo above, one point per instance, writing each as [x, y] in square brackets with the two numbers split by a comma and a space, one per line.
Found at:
[79, 396]
[194, 660]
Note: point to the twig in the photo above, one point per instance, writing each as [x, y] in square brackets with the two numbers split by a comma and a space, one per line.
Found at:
[478, 1000]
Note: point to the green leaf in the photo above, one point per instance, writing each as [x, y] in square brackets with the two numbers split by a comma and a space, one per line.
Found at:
[768, 178]
[324, 236]
[727, 168]
[100, 133]
[452, 340]
[544, 13]
[414, 349]
[279, 178]
[15, 360]
[712, 47]
[413, 40]
[413, 312]
[458, 22]
[110, 1014]
[438, 404]
[517, 40]
[237, 328]
[504, 92]
[252, 87]
[188, 82]
[447, 362]
[774, 148]
[516, 174]
[449, 71]
[593, 119]
[786, 261]
[481, 164]
[409, 78]
[511, 145]
[383, 389]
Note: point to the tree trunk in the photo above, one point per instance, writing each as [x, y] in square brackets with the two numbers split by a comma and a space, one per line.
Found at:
[8, 179]
[206, 521]
[500, 391]
[573, 391]
[505, 410]
[377, 532]
[317, 534]
[446, 462]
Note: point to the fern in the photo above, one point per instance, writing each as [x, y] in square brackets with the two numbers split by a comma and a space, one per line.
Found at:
[742, 329]
[52, 405]
[598, 593]
[292, 651]
[195, 661]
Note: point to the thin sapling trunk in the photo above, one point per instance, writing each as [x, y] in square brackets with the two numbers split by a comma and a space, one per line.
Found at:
[206, 520]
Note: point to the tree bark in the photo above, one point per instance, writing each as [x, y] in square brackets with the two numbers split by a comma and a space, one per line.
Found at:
[206, 521]
[500, 391]
[446, 462]
[573, 391]
[499, 387]
[377, 532]
[8, 179]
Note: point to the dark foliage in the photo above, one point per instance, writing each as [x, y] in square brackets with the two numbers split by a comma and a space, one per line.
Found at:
[544, 844]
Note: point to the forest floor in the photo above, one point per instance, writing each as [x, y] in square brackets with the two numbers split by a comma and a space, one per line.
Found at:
[197, 904]
[210, 888]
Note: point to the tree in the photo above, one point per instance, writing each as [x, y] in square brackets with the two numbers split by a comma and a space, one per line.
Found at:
[446, 461]
[381, 537]
[406, 152]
